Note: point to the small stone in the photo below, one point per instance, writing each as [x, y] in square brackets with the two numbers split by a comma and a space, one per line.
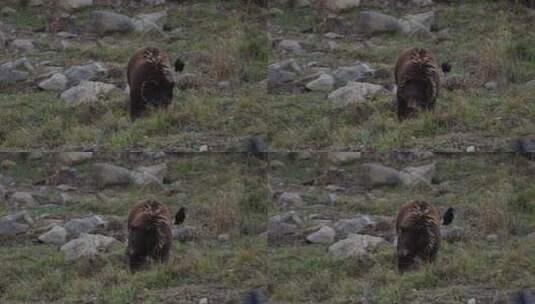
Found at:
[324, 83]
[323, 236]
[9, 228]
[22, 45]
[346, 227]
[56, 236]
[491, 85]
[291, 45]
[75, 227]
[225, 237]
[471, 301]
[57, 82]
[471, 149]
[291, 199]
[343, 158]
[20, 200]
[375, 175]
[203, 148]
[203, 301]
[75, 158]
[6, 11]
[73, 4]
[492, 238]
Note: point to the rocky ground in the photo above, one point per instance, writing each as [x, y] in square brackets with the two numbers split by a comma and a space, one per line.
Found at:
[63, 233]
[331, 81]
[63, 74]
[331, 238]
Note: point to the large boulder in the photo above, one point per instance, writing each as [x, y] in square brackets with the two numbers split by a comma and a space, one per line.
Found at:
[87, 92]
[75, 227]
[56, 236]
[74, 4]
[355, 245]
[373, 175]
[104, 22]
[354, 92]
[90, 71]
[89, 245]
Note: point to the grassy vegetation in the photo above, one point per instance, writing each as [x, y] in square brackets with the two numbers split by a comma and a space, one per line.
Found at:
[222, 194]
[489, 193]
[492, 49]
[218, 42]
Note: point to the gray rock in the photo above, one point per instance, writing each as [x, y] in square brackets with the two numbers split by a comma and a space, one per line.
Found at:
[87, 92]
[152, 2]
[10, 228]
[75, 158]
[19, 200]
[152, 22]
[410, 27]
[76, 74]
[338, 6]
[10, 76]
[184, 233]
[73, 4]
[355, 245]
[324, 83]
[57, 82]
[345, 227]
[291, 46]
[452, 234]
[159, 171]
[289, 218]
[343, 158]
[104, 22]
[75, 227]
[372, 22]
[426, 19]
[276, 77]
[22, 45]
[105, 175]
[323, 236]
[491, 85]
[412, 176]
[145, 179]
[21, 217]
[6, 11]
[353, 73]
[354, 92]
[278, 231]
[56, 236]
[290, 199]
[89, 245]
[492, 238]
[374, 175]
[225, 237]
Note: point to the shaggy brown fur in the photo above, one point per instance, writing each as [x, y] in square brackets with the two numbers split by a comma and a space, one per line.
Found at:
[418, 230]
[418, 80]
[149, 232]
[150, 79]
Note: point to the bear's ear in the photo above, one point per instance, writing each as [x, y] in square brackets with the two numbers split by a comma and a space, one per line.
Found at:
[180, 216]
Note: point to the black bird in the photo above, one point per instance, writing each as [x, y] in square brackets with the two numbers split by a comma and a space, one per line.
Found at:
[448, 217]
[179, 65]
[525, 147]
[523, 296]
[256, 147]
[254, 297]
[180, 216]
[446, 67]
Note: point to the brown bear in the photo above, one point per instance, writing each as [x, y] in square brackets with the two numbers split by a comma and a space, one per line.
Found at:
[150, 79]
[149, 232]
[418, 231]
[418, 81]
